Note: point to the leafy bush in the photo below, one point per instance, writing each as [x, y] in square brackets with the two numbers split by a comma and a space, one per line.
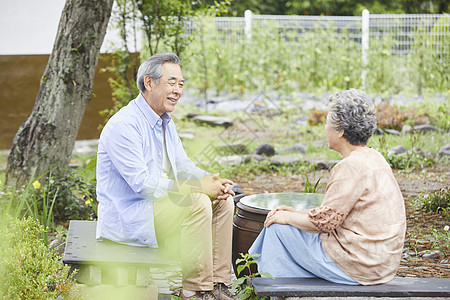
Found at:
[436, 201]
[74, 198]
[243, 285]
[28, 269]
[409, 161]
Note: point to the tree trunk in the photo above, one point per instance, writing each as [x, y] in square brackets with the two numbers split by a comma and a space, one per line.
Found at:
[45, 140]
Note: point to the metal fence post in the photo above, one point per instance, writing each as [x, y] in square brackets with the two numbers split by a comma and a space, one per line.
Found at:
[248, 24]
[365, 44]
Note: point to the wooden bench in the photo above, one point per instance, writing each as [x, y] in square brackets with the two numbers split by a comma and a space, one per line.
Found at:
[316, 287]
[108, 263]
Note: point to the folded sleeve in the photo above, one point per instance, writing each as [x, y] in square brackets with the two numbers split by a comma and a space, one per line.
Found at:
[325, 218]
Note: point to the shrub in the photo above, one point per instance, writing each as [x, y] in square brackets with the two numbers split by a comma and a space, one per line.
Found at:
[74, 197]
[436, 201]
[28, 268]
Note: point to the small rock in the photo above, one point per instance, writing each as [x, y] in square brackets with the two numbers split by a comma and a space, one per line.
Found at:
[406, 129]
[444, 151]
[398, 150]
[192, 115]
[429, 153]
[320, 164]
[392, 131]
[265, 149]
[236, 148]
[231, 160]
[186, 136]
[435, 254]
[301, 121]
[378, 131]
[279, 160]
[213, 120]
[298, 148]
[249, 157]
[425, 128]
[57, 246]
[417, 150]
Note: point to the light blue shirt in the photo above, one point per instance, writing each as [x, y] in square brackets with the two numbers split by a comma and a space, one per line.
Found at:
[129, 172]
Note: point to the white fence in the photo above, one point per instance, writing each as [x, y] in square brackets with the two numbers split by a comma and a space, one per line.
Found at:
[402, 29]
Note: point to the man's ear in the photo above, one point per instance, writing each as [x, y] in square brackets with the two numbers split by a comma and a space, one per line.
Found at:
[341, 133]
[148, 83]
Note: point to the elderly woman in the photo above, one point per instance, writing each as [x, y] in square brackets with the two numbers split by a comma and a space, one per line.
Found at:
[356, 235]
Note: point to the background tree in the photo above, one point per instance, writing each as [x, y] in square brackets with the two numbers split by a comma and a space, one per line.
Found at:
[45, 140]
[164, 24]
[336, 7]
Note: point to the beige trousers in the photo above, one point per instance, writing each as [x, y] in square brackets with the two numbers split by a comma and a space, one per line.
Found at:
[200, 235]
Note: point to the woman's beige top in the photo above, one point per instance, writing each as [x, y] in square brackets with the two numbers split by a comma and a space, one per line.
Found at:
[362, 218]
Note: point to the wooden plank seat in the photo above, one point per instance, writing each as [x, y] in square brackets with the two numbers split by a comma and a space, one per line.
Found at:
[107, 262]
[316, 287]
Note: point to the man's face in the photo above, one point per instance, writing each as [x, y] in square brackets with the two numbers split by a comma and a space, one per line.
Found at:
[163, 97]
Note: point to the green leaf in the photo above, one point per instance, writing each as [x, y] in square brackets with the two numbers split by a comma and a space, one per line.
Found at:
[266, 274]
[240, 268]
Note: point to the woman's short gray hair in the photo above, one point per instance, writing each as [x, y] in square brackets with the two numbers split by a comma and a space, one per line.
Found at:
[353, 112]
[152, 67]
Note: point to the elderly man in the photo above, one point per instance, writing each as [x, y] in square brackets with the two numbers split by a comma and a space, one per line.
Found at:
[151, 194]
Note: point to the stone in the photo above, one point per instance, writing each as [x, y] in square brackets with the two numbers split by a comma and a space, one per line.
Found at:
[425, 128]
[320, 164]
[249, 157]
[265, 149]
[398, 150]
[417, 150]
[57, 246]
[407, 129]
[392, 131]
[301, 121]
[434, 254]
[298, 148]
[286, 160]
[235, 148]
[429, 153]
[444, 151]
[231, 160]
[186, 136]
[378, 131]
[191, 115]
[213, 120]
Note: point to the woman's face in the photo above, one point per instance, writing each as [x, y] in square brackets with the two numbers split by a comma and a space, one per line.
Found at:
[333, 136]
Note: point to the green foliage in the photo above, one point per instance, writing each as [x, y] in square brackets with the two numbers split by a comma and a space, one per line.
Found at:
[28, 269]
[436, 201]
[338, 8]
[286, 61]
[410, 160]
[310, 187]
[243, 286]
[71, 193]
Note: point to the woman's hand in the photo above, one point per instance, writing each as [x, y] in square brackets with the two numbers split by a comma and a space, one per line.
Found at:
[280, 217]
[280, 208]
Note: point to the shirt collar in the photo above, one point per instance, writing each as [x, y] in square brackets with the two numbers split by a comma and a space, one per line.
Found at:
[150, 114]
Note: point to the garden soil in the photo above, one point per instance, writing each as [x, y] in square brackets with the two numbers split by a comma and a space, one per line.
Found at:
[419, 223]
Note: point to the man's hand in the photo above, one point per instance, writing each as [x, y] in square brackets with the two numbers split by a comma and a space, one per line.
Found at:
[221, 189]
